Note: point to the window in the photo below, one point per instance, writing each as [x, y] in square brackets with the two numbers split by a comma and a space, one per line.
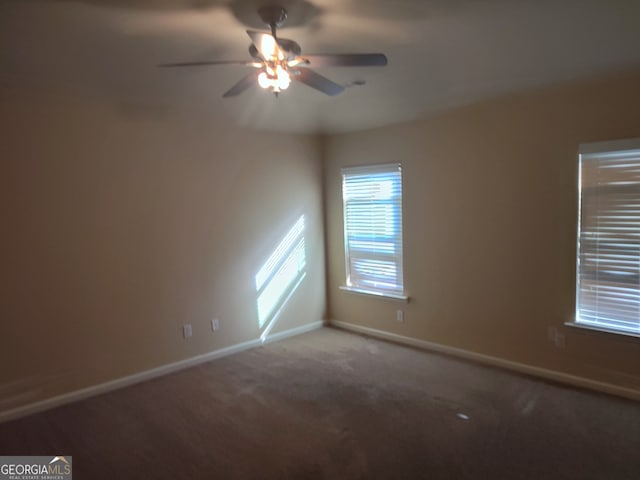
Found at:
[608, 264]
[372, 201]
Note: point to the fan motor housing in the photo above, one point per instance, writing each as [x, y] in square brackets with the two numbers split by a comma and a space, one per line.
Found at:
[289, 46]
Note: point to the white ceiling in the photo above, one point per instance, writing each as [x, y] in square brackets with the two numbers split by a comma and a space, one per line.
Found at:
[442, 53]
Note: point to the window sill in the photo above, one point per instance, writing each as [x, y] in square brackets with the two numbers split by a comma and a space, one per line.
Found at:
[593, 328]
[373, 293]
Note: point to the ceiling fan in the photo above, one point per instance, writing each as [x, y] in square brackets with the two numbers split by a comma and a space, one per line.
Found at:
[278, 61]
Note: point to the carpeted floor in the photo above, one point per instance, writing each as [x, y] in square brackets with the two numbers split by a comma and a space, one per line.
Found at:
[333, 405]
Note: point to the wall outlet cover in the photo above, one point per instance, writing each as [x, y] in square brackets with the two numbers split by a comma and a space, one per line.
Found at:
[186, 330]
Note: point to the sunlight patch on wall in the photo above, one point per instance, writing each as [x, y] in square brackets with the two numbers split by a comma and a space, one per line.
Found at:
[280, 276]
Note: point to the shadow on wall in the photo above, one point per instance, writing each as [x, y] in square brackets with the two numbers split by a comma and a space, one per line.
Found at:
[280, 276]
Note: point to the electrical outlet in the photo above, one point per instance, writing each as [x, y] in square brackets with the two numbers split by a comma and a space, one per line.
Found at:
[399, 316]
[186, 330]
[215, 324]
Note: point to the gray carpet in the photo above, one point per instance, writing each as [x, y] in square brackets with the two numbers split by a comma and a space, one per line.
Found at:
[333, 405]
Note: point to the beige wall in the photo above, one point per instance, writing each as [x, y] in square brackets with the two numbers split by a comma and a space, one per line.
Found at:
[120, 226]
[490, 202]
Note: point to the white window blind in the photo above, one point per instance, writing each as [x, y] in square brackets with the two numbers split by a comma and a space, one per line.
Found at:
[608, 283]
[372, 200]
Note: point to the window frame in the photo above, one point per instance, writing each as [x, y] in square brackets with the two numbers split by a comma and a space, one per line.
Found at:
[594, 152]
[352, 284]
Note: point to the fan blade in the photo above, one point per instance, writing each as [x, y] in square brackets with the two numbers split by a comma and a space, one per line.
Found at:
[243, 84]
[290, 47]
[213, 62]
[317, 81]
[266, 45]
[347, 60]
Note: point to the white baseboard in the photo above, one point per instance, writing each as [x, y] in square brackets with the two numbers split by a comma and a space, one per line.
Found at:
[553, 375]
[94, 390]
[292, 332]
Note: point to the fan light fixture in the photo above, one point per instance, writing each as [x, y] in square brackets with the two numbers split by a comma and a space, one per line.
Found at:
[275, 80]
